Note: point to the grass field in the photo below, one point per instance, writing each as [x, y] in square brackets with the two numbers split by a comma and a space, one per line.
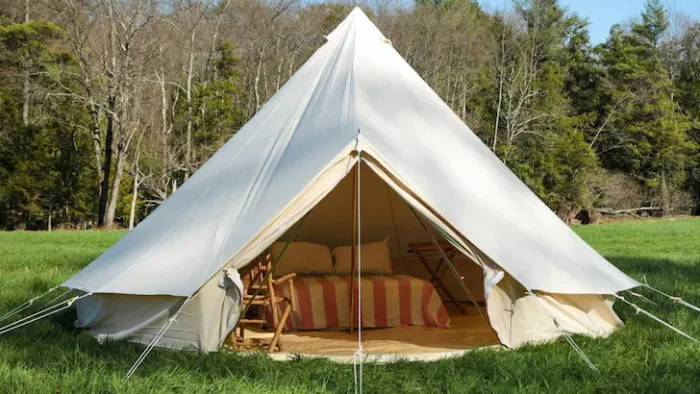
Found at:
[642, 357]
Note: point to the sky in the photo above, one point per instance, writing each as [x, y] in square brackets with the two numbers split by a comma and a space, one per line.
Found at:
[602, 14]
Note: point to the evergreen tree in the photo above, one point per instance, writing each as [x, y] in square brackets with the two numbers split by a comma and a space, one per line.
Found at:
[651, 140]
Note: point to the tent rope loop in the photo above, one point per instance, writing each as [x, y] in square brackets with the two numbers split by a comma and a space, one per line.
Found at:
[42, 314]
[26, 304]
[677, 300]
[58, 297]
[642, 297]
[668, 325]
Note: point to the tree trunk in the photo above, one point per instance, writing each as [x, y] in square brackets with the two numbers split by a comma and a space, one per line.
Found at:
[257, 80]
[134, 197]
[291, 63]
[25, 85]
[665, 196]
[97, 145]
[188, 142]
[25, 98]
[500, 90]
[116, 184]
[104, 201]
[106, 168]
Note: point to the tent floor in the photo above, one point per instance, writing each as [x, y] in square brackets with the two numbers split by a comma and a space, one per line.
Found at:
[467, 331]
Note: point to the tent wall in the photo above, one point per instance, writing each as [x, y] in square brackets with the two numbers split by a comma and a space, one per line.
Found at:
[518, 318]
[209, 317]
[203, 324]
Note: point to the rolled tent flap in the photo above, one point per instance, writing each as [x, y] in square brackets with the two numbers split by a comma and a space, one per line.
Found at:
[519, 319]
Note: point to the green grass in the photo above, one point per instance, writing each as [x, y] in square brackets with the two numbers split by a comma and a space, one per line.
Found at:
[642, 357]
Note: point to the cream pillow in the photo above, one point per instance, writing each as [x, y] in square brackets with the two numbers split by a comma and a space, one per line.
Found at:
[302, 258]
[376, 258]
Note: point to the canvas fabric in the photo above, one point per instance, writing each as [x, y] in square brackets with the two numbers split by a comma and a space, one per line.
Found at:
[519, 318]
[355, 96]
[203, 324]
[375, 256]
[348, 96]
[302, 258]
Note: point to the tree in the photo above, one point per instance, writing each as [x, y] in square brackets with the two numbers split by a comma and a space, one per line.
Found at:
[26, 47]
[651, 141]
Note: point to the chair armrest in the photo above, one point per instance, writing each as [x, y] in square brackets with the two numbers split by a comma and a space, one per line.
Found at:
[285, 278]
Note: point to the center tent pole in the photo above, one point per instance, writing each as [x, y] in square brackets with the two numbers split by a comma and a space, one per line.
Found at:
[356, 269]
[353, 253]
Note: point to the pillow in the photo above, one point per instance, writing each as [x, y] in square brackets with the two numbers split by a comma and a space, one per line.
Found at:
[376, 258]
[302, 258]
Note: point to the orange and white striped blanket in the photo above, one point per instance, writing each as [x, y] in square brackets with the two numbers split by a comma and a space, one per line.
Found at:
[323, 302]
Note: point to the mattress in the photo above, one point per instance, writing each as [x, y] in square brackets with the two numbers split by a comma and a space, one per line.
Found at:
[323, 302]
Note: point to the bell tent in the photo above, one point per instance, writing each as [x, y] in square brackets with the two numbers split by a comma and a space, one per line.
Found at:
[355, 122]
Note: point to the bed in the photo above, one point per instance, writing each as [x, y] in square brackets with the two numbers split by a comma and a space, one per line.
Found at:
[322, 289]
[323, 302]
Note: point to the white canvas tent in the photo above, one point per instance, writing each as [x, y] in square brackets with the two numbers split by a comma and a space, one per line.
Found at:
[355, 97]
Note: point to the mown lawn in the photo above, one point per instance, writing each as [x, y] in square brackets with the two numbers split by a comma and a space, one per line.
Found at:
[642, 357]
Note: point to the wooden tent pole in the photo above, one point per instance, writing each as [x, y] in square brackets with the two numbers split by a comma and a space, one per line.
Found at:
[353, 254]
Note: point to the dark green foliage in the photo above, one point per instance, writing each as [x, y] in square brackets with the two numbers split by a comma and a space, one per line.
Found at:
[562, 114]
[45, 165]
[222, 98]
[650, 138]
[44, 170]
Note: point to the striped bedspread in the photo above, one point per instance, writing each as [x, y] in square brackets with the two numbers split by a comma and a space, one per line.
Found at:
[323, 302]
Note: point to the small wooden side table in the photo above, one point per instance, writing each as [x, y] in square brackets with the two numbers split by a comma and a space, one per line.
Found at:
[427, 250]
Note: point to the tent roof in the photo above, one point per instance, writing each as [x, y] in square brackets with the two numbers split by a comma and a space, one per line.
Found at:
[355, 92]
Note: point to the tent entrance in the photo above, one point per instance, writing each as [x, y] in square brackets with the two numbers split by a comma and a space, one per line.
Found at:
[384, 216]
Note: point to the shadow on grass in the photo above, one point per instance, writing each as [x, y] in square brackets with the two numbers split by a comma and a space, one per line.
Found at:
[664, 268]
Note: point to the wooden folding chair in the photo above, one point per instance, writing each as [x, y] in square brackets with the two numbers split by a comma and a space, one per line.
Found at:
[259, 292]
